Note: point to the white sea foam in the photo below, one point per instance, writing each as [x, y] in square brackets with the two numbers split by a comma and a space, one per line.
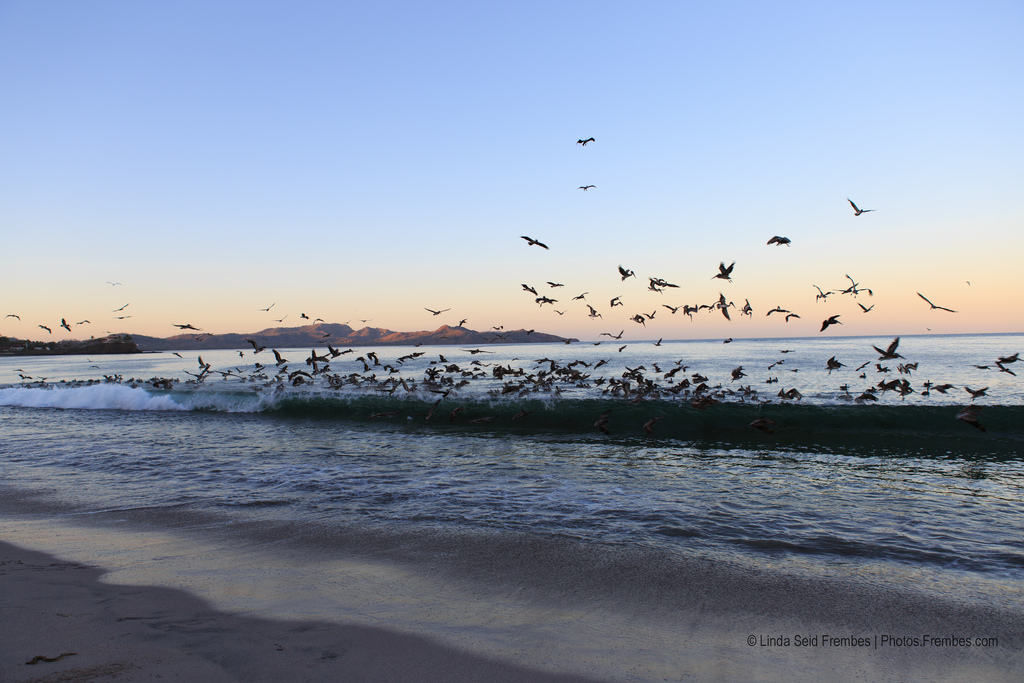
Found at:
[95, 397]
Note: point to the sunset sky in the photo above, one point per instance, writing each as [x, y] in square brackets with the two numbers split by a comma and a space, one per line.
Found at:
[365, 161]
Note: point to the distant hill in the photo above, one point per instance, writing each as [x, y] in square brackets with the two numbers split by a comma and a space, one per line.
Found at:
[115, 343]
[338, 335]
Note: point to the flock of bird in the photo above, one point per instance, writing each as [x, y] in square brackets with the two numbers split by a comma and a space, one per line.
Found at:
[547, 375]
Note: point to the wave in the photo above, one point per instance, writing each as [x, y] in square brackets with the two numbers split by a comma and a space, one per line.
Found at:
[94, 397]
[554, 414]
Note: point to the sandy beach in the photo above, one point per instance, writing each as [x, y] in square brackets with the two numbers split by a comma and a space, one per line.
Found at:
[141, 633]
[138, 605]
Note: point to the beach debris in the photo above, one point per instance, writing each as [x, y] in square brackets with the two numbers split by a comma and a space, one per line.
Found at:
[43, 658]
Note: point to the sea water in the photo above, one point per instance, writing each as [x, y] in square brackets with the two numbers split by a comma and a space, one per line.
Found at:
[893, 492]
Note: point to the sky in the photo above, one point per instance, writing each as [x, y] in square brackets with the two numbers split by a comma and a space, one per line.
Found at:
[367, 161]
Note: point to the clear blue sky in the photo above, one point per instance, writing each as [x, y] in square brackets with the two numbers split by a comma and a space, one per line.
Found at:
[364, 161]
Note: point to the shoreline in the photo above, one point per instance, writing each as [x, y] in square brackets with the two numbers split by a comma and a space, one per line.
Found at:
[557, 611]
[131, 633]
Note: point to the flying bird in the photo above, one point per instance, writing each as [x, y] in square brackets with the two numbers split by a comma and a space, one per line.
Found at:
[586, 187]
[969, 414]
[118, 310]
[269, 307]
[933, 306]
[12, 315]
[64, 324]
[44, 327]
[890, 352]
[625, 273]
[532, 242]
[584, 142]
[187, 326]
[856, 211]
[830, 321]
[780, 240]
[437, 312]
[723, 272]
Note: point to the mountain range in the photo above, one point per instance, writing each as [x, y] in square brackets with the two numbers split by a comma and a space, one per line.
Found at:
[337, 335]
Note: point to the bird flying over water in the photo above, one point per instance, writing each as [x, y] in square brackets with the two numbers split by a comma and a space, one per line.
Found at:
[969, 414]
[532, 242]
[856, 211]
[723, 272]
[64, 324]
[890, 352]
[830, 321]
[44, 327]
[933, 306]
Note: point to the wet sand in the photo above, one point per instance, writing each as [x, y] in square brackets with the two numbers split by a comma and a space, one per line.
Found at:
[263, 603]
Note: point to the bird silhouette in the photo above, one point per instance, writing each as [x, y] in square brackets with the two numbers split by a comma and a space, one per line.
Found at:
[933, 306]
[856, 211]
[890, 351]
[437, 312]
[780, 240]
[533, 243]
[584, 142]
[586, 187]
[830, 321]
[723, 272]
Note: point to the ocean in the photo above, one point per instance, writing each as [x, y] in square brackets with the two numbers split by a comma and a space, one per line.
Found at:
[545, 443]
